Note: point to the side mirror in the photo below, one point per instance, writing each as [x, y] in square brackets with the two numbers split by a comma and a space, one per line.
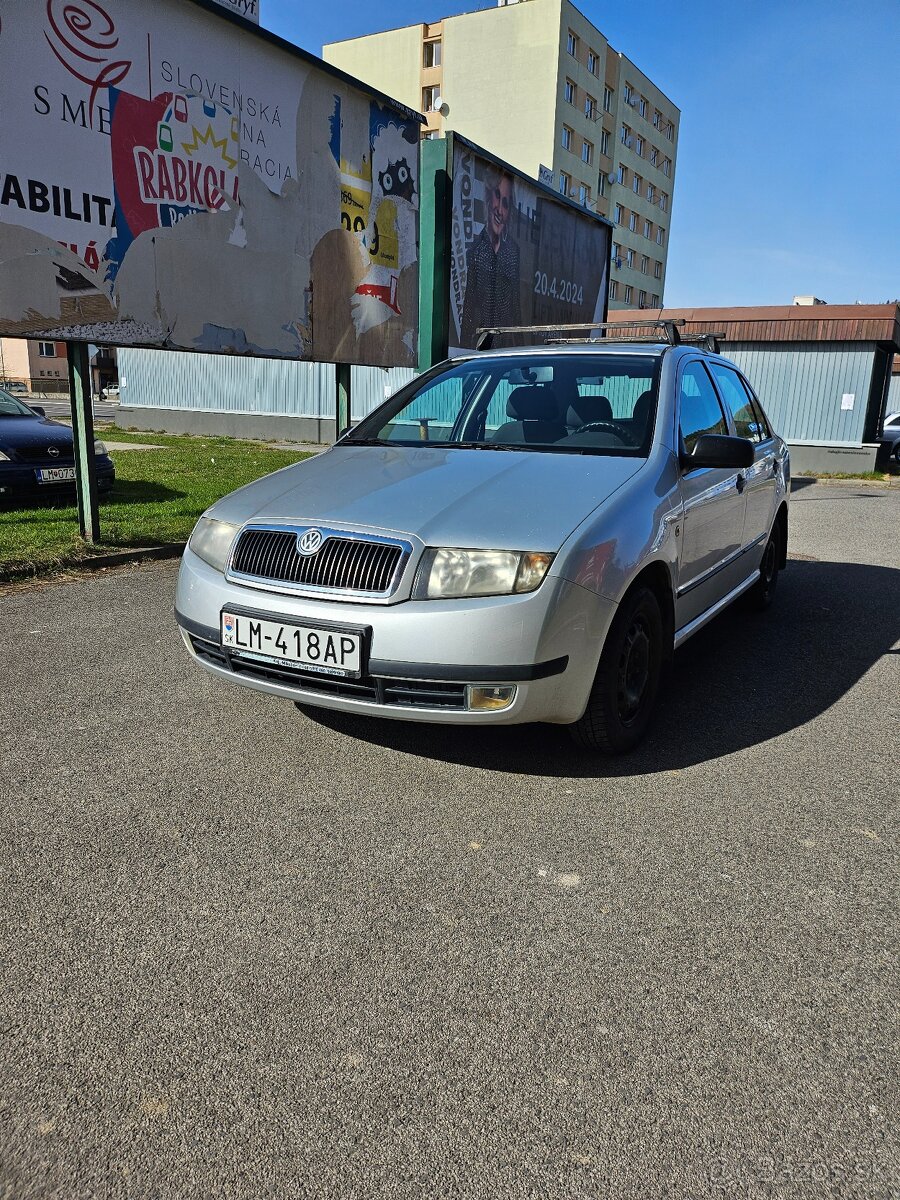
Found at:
[37, 408]
[718, 450]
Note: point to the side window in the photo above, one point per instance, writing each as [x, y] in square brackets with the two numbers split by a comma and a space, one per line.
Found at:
[699, 407]
[737, 402]
[764, 429]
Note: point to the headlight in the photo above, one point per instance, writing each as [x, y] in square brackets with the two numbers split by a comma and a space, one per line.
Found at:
[445, 573]
[99, 448]
[211, 541]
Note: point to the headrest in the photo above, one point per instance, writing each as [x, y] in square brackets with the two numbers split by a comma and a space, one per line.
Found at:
[532, 404]
[587, 409]
[642, 407]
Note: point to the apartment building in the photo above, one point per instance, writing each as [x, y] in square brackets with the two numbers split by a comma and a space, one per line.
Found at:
[537, 84]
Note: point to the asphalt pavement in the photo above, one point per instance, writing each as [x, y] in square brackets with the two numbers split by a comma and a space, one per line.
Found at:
[247, 953]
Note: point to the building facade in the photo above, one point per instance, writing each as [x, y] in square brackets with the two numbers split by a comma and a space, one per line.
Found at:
[41, 366]
[537, 84]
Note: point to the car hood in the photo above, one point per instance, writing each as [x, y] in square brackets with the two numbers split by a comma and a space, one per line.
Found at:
[486, 499]
[20, 432]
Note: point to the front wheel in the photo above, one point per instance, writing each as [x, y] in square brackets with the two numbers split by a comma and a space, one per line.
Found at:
[627, 681]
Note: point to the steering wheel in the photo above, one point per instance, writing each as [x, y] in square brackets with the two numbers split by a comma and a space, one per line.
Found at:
[606, 427]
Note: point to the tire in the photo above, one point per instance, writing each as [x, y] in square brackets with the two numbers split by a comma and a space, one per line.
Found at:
[897, 454]
[627, 682]
[762, 593]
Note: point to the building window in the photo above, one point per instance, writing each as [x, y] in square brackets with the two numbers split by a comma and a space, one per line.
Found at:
[642, 299]
[431, 54]
[616, 250]
[587, 152]
[590, 108]
[639, 147]
[654, 156]
[632, 222]
[624, 135]
[584, 194]
[642, 106]
[566, 138]
[618, 214]
[664, 201]
[607, 99]
[651, 192]
[670, 131]
[614, 290]
[657, 120]
[592, 63]
[570, 92]
[629, 258]
[660, 235]
[629, 292]
[572, 44]
[604, 142]
[667, 167]
[47, 350]
[431, 134]
[601, 184]
[428, 98]
[648, 229]
[637, 184]
[654, 301]
[657, 270]
[565, 183]
[645, 264]
[628, 93]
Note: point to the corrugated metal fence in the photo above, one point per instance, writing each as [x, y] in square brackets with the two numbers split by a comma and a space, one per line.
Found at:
[812, 393]
[252, 386]
[802, 386]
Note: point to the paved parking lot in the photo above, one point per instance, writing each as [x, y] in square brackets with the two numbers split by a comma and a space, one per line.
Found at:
[250, 954]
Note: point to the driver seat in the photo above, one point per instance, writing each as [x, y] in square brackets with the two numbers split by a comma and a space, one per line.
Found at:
[584, 410]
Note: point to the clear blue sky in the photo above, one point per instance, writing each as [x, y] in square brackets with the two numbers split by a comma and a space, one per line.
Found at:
[788, 171]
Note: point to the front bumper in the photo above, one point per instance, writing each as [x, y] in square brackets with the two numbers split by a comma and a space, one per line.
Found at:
[19, 482]
[423, 655]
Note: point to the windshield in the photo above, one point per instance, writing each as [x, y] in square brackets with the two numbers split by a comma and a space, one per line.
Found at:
[566, 403]
[11, 407]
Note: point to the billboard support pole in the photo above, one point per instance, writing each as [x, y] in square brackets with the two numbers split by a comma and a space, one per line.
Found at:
[342, 399]
[435, 214]
[83, 431]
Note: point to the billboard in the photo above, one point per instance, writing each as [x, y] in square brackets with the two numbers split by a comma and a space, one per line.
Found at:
[172, 177]
[519, 253]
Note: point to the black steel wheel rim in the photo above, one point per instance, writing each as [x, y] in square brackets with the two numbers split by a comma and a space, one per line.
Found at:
[634, 670]
[768, 564]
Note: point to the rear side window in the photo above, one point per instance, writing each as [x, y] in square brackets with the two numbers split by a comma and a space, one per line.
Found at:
[699, 407]
[738, 403]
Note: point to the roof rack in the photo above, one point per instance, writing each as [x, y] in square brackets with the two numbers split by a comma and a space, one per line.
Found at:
[484, 338]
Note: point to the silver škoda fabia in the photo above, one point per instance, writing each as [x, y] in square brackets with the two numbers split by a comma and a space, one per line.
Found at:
[521, 535]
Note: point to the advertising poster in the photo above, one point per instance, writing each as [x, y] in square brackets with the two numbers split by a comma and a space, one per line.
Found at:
[519, 254]
[171, 178]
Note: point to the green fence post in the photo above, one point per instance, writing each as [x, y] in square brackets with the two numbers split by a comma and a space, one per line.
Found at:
[342, 398]
[434, 250]
[83, 431]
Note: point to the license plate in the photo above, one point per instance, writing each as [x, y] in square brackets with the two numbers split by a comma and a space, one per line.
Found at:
[327, 651]
[55, 474]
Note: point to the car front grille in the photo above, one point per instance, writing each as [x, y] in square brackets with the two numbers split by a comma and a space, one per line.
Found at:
[343, 563]
[39, 454]
[397, 693]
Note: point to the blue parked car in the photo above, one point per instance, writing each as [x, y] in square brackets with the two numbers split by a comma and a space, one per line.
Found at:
[37, 456]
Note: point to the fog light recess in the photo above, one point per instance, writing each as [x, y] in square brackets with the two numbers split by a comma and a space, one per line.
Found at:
[489, 699]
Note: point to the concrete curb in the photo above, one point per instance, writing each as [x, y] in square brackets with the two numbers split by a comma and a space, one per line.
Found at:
[97, 562]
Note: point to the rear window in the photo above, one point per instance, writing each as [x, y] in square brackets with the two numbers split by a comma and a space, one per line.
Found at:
[554, 403]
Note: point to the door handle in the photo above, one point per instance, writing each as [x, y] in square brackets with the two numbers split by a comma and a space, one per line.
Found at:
[739, 483]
